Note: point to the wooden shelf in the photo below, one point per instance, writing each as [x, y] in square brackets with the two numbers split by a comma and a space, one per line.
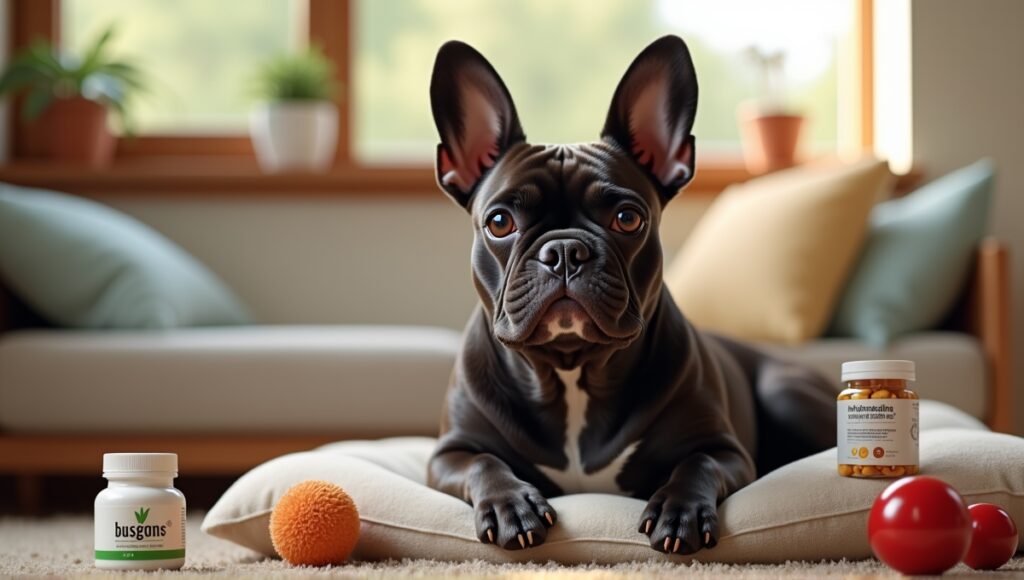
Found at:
[175, 176]
[241, 176]
[184, 176]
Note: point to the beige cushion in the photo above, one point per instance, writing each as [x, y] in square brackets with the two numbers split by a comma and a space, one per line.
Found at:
[342, 379]
[951, 366]
[804, 511]
[769, 258]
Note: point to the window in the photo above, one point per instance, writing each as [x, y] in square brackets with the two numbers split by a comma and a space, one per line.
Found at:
[198, 55]
[562, 60]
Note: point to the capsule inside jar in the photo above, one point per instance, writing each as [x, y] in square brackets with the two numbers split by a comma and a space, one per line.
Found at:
[877, 420]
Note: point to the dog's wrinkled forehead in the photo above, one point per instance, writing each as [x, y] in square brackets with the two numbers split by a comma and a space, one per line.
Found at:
[561, 175]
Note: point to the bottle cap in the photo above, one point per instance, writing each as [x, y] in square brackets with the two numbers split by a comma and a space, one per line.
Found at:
[860, 370]
[139, 463]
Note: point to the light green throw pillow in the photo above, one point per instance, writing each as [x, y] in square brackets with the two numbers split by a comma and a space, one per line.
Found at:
[82, 264]
[916, 257]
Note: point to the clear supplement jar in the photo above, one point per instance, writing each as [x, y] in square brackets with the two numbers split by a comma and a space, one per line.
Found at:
[877, 420]
[140, 516]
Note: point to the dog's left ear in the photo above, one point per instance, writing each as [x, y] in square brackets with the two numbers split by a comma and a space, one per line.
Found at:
[652, 113]
[475, 118]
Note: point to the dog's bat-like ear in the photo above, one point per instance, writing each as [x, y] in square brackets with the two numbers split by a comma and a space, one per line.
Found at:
[652, 113]
[475, 117]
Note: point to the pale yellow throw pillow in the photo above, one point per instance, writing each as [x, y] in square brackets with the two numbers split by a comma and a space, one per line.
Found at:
[768, 260]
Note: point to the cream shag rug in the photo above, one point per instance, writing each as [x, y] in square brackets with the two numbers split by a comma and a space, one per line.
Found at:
[62, 546]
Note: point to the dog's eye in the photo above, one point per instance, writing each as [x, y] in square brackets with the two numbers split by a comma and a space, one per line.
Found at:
[501, 224]
[627, 221]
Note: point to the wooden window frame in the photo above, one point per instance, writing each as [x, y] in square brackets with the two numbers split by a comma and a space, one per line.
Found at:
[33, 20]
[205, 164]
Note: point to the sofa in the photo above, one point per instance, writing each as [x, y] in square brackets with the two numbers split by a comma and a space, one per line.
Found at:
[229, 398]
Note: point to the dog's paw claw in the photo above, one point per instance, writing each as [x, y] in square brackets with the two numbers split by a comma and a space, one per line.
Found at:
[645, 526]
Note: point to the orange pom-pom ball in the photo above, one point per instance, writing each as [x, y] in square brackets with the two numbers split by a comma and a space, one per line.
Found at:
[315, 523]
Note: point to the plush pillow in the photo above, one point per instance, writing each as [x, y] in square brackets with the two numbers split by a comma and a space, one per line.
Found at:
[916, 257]
[768, 259]
[82, 264]
[804, 511]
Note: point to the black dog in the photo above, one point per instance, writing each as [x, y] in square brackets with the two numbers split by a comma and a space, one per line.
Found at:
[578, 372]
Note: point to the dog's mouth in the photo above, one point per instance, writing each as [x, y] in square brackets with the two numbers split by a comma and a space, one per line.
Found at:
[563, 324]
[566, 325]
[565, 332]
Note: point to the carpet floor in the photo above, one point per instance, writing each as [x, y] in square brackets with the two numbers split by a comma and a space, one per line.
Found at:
[62, 546]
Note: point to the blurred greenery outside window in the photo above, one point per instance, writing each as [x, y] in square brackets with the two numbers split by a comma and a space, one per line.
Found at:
[560, 59]
[198, 55]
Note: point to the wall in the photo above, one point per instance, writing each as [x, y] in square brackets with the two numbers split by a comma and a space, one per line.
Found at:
[353, 260]
[968, 82]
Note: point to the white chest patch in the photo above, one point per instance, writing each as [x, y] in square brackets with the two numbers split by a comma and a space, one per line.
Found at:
[573, 479]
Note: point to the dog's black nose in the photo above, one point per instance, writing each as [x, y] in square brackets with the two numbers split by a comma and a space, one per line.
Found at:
[564, 257]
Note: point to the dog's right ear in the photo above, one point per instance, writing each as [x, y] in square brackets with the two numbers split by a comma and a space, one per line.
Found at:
[652, 113]
[475, 118]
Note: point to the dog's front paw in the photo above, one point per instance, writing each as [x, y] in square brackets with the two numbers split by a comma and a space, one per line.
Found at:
[677, 522]
[514, 517]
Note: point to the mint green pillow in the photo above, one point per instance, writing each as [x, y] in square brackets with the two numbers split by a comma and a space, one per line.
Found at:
[916, 257]
[82, 264]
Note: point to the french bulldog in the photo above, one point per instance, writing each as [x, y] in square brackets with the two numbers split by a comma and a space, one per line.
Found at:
[578, 373]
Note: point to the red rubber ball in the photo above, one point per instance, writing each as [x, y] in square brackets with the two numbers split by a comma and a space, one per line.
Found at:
[919, 525]
[993, 537]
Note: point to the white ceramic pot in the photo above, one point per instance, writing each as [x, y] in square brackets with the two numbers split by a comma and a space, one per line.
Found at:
[294, 135]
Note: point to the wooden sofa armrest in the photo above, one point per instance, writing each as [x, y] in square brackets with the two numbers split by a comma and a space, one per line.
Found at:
[989, 319]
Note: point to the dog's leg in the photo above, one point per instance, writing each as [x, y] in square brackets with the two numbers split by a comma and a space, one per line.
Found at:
[682, 516]
[509, 512]
[796, 413]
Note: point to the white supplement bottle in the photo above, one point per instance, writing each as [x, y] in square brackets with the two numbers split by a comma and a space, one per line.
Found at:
[877, 420]
[140, 516]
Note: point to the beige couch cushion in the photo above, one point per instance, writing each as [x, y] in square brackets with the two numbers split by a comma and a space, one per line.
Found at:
[804, 511]
[344, 379]
[769, 258]
[950, 365]
[325, 378]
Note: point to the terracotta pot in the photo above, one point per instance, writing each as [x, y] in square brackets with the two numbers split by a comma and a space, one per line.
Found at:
[77, 132]
[770, 141]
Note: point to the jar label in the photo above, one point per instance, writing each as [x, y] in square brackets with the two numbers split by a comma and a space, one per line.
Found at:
[878, 432]
[144, 532]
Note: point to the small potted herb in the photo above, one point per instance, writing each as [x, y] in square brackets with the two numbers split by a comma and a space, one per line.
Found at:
[769, 128]
[295, 126]
[72, 97]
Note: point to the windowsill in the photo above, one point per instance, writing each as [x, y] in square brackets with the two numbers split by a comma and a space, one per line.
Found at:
[230, 176]
[190, 176]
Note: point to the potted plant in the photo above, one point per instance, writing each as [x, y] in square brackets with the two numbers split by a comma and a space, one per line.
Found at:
[770, 131]
[295, 126]
[73, 96]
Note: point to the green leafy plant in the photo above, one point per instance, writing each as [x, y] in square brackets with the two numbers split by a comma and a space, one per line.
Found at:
[141, 515]
[46, 75]
[303, 76]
